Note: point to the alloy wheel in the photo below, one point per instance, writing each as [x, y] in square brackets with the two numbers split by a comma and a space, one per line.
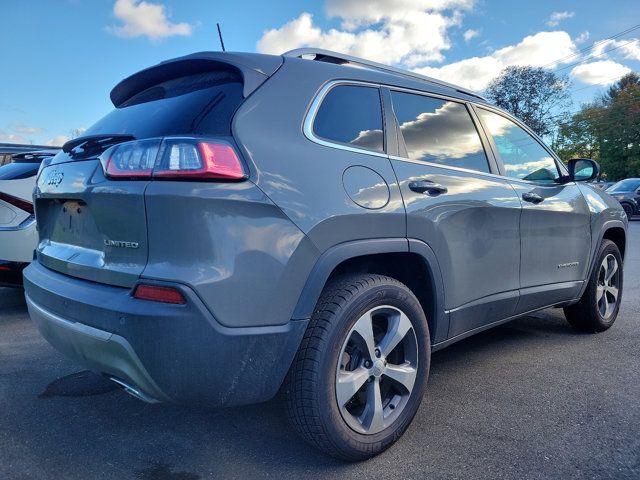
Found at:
[607, 290]
[377, 369]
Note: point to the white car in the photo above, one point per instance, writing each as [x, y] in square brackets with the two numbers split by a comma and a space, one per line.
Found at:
[18, 235]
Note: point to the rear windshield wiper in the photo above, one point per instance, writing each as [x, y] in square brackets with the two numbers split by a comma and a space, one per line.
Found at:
[93, 144]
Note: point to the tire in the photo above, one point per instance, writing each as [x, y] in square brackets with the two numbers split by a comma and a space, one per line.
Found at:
[334, 354]
[628, 209]
[591, 314]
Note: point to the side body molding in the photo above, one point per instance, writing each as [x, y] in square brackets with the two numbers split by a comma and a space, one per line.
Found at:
[334, 256]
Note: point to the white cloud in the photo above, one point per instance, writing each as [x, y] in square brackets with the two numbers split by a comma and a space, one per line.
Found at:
[27, 130]
[141, 18]
[469, 34]
[389, 31]
[629, 48]
[583, 37]
[602, 72]
[58, 140]
[557, 17]
[12, 138]
[536, 50]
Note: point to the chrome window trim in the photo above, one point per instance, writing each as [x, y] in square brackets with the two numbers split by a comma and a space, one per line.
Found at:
[317, 101]
[448, 167]
[313, 111]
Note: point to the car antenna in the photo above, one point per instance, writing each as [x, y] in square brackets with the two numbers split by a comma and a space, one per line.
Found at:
[220, 35]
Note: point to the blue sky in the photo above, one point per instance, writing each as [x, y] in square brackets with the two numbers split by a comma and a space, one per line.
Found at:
[62, 57]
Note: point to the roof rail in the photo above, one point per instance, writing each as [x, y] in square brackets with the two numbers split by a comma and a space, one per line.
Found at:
[341, 59]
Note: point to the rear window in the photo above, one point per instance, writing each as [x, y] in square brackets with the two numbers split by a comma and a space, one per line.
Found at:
[351, 115]
[199, 104]
[16, 171]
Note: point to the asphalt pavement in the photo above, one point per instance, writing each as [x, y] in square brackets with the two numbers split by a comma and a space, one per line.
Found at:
[529, 399]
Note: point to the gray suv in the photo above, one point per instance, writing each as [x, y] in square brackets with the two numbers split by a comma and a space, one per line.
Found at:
[310, 223]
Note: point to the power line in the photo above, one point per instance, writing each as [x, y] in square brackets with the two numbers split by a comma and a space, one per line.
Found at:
[594, 45]
[597, 55]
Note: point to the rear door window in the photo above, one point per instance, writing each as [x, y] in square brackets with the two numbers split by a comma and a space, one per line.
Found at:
[351, 115]
[439, 131]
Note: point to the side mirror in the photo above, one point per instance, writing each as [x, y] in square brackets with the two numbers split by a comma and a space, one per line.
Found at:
[583, 169]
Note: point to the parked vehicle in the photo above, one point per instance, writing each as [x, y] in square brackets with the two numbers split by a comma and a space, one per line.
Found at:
[9, 149]
[601, 184]
[627, 192]
[18, 236]
[291, 222]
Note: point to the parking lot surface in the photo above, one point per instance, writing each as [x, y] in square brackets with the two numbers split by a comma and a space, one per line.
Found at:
[529, 399]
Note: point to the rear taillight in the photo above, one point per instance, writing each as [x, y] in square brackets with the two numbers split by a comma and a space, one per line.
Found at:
[173, 158]
[131, 159]
[156, 293]
[17, 202]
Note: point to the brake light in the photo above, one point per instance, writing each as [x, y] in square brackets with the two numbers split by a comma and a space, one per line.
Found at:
[17, 202]
[173, 158]
[156, 293]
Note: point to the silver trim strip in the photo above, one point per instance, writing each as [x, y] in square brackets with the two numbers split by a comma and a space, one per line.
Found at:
[317, 101]
[313, 110]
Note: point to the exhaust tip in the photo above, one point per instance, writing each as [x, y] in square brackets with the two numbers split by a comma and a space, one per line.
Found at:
[134, 391]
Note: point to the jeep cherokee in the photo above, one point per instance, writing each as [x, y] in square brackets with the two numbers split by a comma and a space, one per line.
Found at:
[311, 223]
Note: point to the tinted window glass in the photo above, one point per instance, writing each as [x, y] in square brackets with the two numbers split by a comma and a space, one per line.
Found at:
[15, 171]
[201, 104]
[439, 131]
[352, 115]
[628, 185]
[523, 157]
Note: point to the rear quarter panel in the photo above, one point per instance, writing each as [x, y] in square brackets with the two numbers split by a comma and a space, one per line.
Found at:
[304, 178]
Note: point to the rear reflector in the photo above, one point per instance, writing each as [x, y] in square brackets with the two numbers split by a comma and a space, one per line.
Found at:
[156, 293]
[17, 202]
[173, 158]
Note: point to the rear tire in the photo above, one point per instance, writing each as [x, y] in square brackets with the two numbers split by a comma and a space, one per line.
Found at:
[598, 308]
[360, 373]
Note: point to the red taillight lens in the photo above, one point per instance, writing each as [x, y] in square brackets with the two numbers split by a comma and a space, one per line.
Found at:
[173, 158]
[157, 293]
[17, 202]
[199, 160]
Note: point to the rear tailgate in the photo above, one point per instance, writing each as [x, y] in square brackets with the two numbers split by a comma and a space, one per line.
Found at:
[91, 227]
[94, 227]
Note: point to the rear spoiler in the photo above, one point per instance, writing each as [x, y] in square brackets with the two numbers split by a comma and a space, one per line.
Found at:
[255, 68]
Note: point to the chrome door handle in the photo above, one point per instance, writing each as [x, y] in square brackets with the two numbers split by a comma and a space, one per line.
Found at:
[532, 197]
[428, 187]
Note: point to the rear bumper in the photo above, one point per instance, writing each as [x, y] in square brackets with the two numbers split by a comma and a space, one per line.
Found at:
[176, 353]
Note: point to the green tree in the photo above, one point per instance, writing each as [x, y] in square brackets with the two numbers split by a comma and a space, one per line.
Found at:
[630, 80]
[607, 130]
[620, 133]
[531, 94]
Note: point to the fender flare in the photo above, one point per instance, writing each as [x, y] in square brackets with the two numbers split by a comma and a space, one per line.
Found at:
[609, 224]
[334, 256]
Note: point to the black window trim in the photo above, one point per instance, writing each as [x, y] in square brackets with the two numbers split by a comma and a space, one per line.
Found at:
[315, 106]
[562, 171]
